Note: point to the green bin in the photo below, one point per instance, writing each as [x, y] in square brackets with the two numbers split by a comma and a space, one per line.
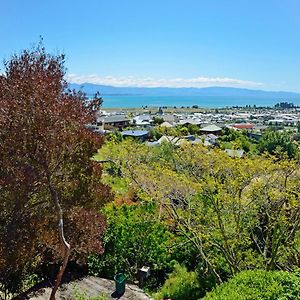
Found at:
[120, 280]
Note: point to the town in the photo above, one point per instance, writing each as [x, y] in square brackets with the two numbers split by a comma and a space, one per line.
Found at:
[195, 125]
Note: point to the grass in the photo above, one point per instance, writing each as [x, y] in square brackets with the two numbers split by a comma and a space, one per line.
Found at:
[82, 295]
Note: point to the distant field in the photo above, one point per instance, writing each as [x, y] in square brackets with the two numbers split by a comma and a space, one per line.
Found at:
[155, 109]
[179, 110]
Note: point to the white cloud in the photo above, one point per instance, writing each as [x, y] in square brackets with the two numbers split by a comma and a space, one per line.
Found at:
[132, 81]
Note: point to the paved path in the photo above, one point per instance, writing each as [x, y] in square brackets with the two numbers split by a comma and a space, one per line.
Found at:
[91, 286]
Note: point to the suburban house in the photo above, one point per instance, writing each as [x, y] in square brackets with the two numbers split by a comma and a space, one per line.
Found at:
[216, 130]
[283, 122]
[166, 124]
[113, 122]
[171, 118]
[141, 135]
[211, 138]
[243, 126]
[191, 121]
[142, 120]
[175, 140]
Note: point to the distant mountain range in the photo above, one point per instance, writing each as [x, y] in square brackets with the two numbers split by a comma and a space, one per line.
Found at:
[90, 89]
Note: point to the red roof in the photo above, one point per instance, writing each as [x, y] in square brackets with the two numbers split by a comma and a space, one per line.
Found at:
[243, 126]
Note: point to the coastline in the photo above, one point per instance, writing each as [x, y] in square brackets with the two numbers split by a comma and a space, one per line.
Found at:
[204, 102]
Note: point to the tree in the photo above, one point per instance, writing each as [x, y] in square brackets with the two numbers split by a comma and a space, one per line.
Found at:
[234, 139]
[284, 105]
[279, 144]
[46, 174]
[180, 284]
[134, 238]
[237, 214]
[158, 120]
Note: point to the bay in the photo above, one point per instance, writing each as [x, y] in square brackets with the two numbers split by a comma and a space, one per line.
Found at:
[137, 101]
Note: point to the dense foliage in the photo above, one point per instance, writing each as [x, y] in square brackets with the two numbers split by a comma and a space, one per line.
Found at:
[134, 238]
[49, 186]
[180, 284]
[233, 139]
[226, 214]
[279, 144]
[258, 285]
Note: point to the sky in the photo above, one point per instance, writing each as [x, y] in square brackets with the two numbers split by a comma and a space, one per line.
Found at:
[176, 43]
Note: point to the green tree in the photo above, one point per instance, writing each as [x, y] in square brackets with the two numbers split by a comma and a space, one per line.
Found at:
[237, 214]
[134, 238]
[158, 120]
[279, 144]
[234, 139]
[180, 284]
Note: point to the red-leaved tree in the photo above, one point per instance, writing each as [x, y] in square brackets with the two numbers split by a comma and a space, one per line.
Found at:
[50, 189]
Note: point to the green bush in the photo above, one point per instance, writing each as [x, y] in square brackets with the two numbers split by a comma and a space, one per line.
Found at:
[278, 143]
[193, 129]
[180, 285]
[134, 238]
[258, 285]
[158, 120]
[154, 134]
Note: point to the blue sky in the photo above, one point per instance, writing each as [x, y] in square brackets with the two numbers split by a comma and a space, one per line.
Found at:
[254, 43]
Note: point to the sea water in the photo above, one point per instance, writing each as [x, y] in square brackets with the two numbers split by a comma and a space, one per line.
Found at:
[131, 101]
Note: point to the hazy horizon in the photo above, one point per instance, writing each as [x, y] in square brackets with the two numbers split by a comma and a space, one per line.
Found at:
[185, 87]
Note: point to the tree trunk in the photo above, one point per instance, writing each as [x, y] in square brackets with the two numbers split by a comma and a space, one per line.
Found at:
[67, 250]
[66, 245]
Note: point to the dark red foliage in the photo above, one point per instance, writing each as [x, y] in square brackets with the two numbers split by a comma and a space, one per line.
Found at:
[43, 138]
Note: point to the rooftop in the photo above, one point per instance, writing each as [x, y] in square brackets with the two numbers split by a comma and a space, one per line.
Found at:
[115, 118]
[243, 126]
[135, 133]
[211, 128]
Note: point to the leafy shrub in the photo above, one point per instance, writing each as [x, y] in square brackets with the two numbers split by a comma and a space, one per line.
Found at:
[258, 285]
[183, 130]
[193, 129]
[134, 238]
[158, 120]
[181, 284]
[154, 134]
[277, 143]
